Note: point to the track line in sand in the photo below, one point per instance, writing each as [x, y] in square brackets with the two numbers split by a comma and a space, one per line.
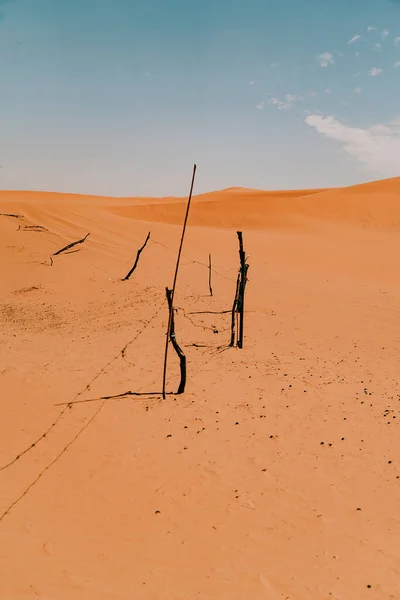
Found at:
[86, 388]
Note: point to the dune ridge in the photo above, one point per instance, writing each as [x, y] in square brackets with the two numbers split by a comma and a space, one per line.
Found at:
[373, 204]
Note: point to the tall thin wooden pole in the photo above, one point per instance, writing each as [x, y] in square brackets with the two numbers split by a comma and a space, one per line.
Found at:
[171, 305]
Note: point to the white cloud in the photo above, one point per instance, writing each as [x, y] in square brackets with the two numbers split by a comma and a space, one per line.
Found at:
[288, 102]
[354, 39]
[357, 54]
[358, 90]
[377, 47]
[397, 40]
[280, 104]
[377, 147]
[328, 91]
[397, 65]
[385, 34]
[251, 82]
[371, 28]
[375, 71]
[293, 98]
[261, 105]
[325, 59]
[274, 65]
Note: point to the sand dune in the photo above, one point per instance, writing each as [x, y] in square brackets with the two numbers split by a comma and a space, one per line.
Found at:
[277, 474]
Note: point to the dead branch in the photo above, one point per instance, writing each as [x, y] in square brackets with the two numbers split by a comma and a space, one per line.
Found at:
[137, 258]
[234, 311]
[71, 245]
[31, 228]
[243, 280]
[182, 357]
[11, 215]
[210, 275]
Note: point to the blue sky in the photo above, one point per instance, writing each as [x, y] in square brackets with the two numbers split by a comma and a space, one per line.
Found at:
[120, 97]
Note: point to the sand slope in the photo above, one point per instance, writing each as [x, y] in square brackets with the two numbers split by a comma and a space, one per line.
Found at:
[248, 485]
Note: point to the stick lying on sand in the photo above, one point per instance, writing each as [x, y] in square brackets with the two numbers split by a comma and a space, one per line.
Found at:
[71, 245]
[31, 228]
[10, 215]
[137, 258]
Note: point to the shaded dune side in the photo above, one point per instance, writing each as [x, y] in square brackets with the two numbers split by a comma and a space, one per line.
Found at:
[368, 205]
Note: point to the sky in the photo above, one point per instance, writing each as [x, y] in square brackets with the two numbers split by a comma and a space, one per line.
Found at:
[121, 97]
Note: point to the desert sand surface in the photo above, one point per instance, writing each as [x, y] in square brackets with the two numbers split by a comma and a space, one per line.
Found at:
[276, 475]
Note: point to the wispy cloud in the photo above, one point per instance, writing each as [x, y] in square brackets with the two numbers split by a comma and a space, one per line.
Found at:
[289, 101]
[358, 90]
[377, 147]
[261, 105]
[251, 82]
[375, 71]
[325, 59]
[280, 104]
[354, 39]
[377, 47]
[328, 91]
[385, 34]
[357, 54]
[397, 40]
[371, 28]
[397, 65]
[293, 98]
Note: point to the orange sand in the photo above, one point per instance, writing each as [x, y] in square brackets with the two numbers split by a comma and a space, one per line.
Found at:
[247, 486]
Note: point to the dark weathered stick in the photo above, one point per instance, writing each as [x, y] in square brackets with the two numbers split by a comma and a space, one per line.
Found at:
[243, 278]
[71, 245]
[137, 258]
[10, 215]
[234, 311]
[174, 284]
[31, 228]
[172, 336]
[210, 274]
